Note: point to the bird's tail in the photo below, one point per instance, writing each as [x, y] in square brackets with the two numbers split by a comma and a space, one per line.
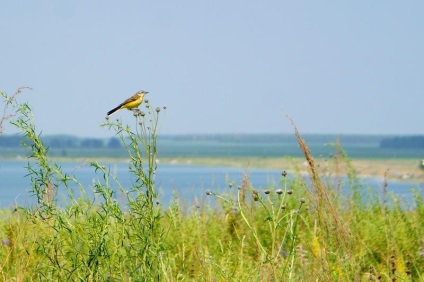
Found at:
[113, 110]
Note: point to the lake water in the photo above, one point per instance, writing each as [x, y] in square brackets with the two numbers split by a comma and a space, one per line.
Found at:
[189, 182]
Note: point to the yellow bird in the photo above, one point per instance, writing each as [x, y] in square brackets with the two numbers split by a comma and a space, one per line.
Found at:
[130, 103]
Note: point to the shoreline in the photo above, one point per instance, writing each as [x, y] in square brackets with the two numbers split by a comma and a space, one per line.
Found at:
[391, 169]
[402, 169]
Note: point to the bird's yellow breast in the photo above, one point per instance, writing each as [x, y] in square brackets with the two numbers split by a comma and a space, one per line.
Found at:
[133, 104]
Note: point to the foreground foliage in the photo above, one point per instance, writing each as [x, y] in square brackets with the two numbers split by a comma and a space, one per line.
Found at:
[295, 231]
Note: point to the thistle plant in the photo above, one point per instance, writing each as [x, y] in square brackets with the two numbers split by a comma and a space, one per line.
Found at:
[9, 103]
[270, 219]
[46, 176]
[89, 239]
[140, 143]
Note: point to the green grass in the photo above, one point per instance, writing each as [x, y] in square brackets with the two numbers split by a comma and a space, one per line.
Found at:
[289, 232]
[268, 237]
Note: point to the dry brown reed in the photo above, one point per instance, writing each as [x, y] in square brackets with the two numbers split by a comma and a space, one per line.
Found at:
[337, 165]
[328, 216]
[244, 186]
[9, 101]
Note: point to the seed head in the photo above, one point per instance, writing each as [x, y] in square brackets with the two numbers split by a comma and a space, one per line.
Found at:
[302, 200]
[157, 109]
[289, 192]
[255, 195]
[136, 112]
[279, 191]
[284, 173]
[267, 192]
[208, 193]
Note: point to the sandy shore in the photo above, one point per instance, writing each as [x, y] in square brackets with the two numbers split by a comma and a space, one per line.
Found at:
[393, 169]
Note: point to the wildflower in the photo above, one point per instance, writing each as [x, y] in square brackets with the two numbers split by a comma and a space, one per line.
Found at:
[208, 193]
[283, 207]
[283, 252]
[284, 173]
[230, 185]
[157, 109]
[279, 191]
[164, 107]
[302, 200]
[290, 192]
[267, 192]
[315, 248]
[399, 266]
[142, 113]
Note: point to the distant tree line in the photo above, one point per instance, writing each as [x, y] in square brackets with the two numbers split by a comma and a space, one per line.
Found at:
[404, 142]
[63, 142]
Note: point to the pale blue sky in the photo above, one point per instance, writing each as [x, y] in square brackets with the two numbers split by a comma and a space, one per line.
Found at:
[219, 66]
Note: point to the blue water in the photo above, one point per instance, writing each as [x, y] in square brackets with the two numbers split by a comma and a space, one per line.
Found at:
[189, 182]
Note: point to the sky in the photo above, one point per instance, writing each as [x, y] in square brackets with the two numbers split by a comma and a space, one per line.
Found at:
[334, 67]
